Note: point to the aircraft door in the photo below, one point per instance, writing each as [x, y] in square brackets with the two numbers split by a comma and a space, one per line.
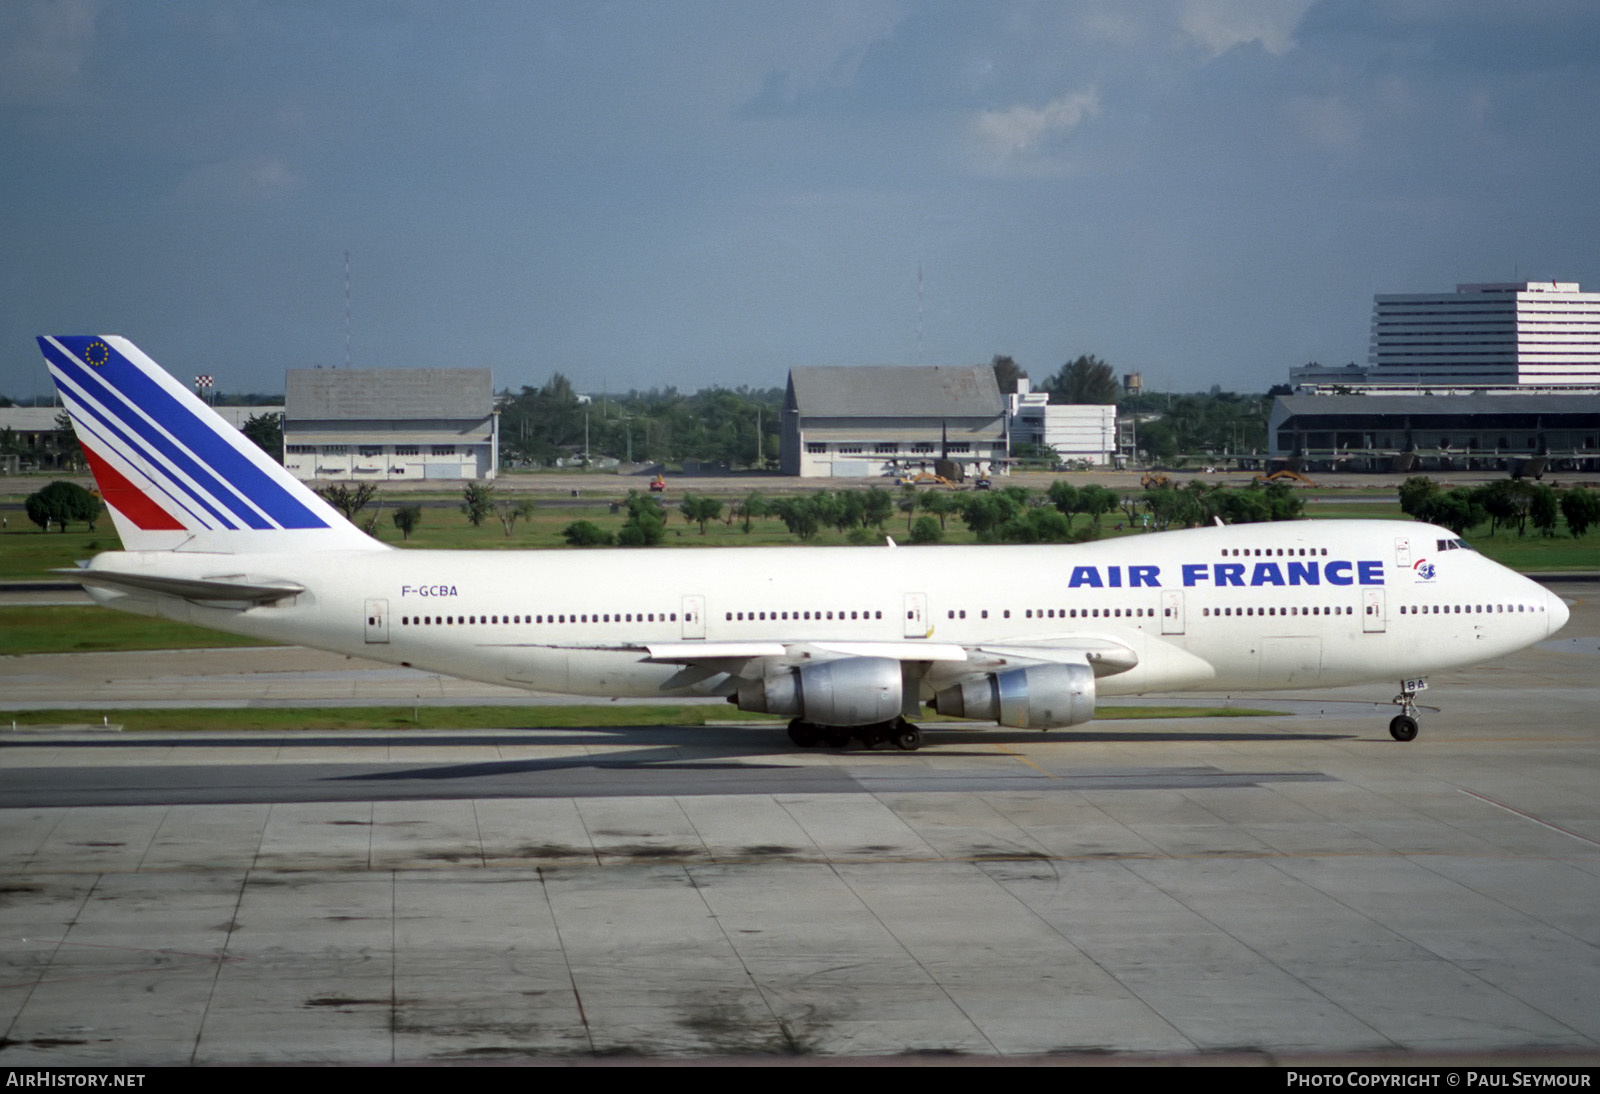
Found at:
[1402, 553]
[694, 617]
[1171, 611]
[377, 621]
[916, 615]
[1373, 618]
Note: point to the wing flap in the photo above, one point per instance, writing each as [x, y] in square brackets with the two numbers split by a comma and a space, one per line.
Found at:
[691, 652]
[1104, 655]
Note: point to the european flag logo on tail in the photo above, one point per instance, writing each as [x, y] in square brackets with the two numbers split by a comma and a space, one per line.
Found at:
[173, 473]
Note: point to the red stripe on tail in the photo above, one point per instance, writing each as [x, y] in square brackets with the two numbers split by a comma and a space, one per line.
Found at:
[127, 498]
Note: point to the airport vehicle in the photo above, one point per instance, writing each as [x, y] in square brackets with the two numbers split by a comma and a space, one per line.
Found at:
[850, 642]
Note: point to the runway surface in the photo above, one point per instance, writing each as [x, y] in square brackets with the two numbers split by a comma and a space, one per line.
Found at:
[1296, 887]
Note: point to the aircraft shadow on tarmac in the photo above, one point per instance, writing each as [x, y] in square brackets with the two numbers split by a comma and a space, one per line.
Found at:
[659, 745]
[736, 749]
[639, 760]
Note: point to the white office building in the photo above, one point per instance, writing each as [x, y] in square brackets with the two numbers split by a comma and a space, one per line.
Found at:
[1519, 333]
[1075, 431]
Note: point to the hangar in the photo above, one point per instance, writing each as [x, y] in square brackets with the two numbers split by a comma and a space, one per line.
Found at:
[396, 425]
[841, 420]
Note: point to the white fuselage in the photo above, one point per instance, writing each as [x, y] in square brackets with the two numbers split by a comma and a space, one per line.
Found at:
[1258, 606]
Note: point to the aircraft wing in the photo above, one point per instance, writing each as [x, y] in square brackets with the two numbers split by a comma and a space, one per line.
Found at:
[1104, 655]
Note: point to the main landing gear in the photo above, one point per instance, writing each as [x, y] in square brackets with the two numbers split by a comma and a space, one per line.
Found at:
[1403, 727]
[899, 732]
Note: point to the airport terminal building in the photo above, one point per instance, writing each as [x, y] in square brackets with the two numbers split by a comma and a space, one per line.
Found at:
[391, 425]
[1488, 377]
[1436, 432]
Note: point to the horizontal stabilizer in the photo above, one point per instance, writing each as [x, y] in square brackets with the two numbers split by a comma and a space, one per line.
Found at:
[187, 588]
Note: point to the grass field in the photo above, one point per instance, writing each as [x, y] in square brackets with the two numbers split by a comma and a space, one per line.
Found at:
[31, 555]
[73, 628]
[302, 719]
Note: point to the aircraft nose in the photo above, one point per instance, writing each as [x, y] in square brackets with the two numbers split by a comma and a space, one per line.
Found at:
[1556, 610]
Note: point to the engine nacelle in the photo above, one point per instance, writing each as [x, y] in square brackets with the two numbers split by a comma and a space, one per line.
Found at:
[1036, 697]
[852, 691]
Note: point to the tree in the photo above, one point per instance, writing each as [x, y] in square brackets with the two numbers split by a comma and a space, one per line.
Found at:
[62, 503]
[66, 442]
[1064, 496]
[1544, 506]
[1457, 510]
[586, 533]
[877, 506]
[477, 502]
[406, 518]
[348, 500]
[942, 504]
[753, 507]
[926, 530]
[1006, 373]
[646, 525]
[1085, 380]
[509, 512]
[1414, 493]
[1581, 507]
[799, 515]
[907, 504]
[700, 508]
[1094, 501]
[983, 513]
[266, 430]
[1507, 502]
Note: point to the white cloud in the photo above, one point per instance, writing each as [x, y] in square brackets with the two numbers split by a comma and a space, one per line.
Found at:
[1324, 122]
[1029, 140]
[43, 46]
[1219, 25]
[247, 179]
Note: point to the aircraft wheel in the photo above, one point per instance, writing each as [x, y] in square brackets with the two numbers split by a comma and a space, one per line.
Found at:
[1403, 728]
[836, 736]
[872, 736]
[908, 738]
[803, 734]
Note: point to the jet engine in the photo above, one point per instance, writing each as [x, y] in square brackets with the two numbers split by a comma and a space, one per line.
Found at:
[851, 691]
[1036, 697]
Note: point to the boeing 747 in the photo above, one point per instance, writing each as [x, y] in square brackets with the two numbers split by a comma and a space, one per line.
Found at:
[851, 643]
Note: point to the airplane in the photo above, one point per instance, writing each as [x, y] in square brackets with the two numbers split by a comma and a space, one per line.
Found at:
[850, 642]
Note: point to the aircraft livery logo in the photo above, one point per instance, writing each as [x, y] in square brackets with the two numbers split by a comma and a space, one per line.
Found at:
[1423, 569]
[97, 353]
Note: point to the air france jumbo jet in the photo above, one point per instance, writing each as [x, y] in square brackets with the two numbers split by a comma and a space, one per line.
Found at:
[848, 642]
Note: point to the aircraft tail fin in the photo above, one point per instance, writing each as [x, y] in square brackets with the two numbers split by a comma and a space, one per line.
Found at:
[174, 474]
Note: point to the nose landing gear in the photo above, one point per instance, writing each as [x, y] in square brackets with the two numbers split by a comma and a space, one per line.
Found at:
[1403, 727]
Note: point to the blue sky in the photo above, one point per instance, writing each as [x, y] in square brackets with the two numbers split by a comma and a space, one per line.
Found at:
[693, 193]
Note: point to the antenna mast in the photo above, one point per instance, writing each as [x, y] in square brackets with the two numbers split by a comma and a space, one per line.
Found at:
[919, 313]
[347, 309]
